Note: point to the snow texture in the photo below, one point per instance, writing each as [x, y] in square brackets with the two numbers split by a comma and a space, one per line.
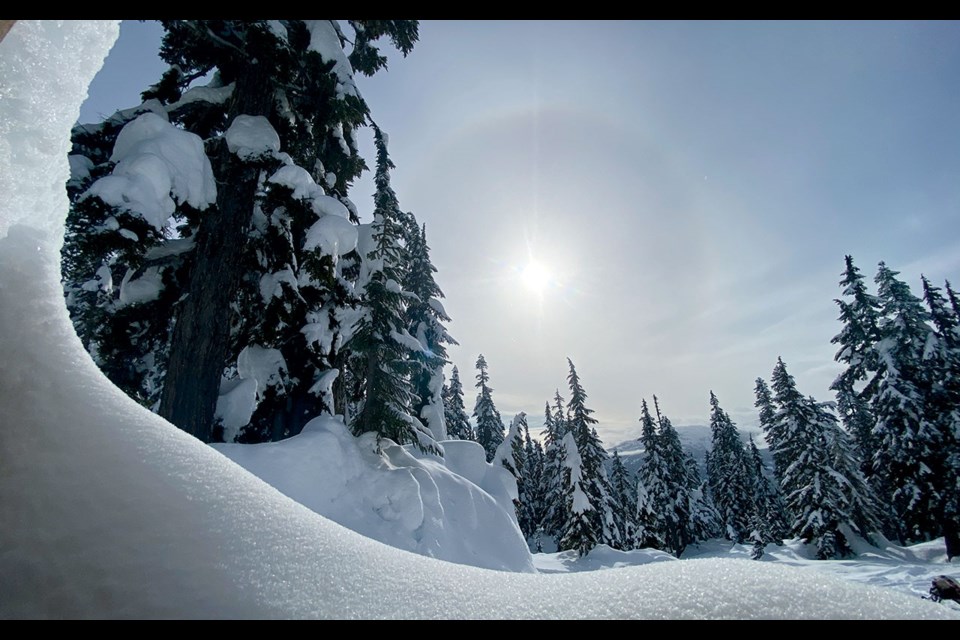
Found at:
[109, 511]
[144, 288]
[252, 137]
[158, 166]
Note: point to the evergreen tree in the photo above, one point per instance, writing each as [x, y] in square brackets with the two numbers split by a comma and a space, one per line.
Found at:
[860, 314]
[534, 508]
[489, 424]
[381, 335]
[456, 418]
[593, 459]
[512, 456]
[653, 491]
[817, 483]
[678, 534]
[425, 318]
[728, 475]
[768, 413]
[236, 280]
[769, 521]
[942, 362]
[554, 514]
[907, 443]
[579, 531]
[624, 500]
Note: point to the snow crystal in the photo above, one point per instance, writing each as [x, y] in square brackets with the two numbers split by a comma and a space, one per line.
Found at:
[251, 137]
[158, 166]
[325, 41]
[109, 511]
[333, 235]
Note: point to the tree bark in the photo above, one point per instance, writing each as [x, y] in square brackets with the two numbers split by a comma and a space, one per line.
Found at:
[201, 334]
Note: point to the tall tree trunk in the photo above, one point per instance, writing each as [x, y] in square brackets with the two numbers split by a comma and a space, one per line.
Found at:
[201, 335]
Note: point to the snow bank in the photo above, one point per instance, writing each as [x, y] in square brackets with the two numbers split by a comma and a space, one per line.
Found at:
[109, 511]
[420, 505]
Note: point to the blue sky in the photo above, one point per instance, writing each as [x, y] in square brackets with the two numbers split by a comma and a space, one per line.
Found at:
[691, 187]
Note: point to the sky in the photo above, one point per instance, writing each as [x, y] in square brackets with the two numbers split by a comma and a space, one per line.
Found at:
[689, 190]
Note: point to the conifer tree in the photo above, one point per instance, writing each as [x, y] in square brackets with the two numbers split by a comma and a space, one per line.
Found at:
[769, 521]
[456, 418]
[942, 362]
[818, 482]
[623, 492]
[907, 442]
[580, 531]
[534, 507]
[425, 321]
[512, 456]
[768, 413]
[554, 513]
[653, 491]
[593, 459]
[678, 533]
[860, 314]
[728, 475]
[381, 336]
[489, 428]
[247, 280]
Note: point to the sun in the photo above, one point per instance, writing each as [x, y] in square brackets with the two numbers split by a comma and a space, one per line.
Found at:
[535, 277]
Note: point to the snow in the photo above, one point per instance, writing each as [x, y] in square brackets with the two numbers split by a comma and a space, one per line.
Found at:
[109, 511]
[333, 235]
[251, 137]
[325, 41]
[80, 167]
[420, 505]
[303, 186]
[158, 166]
[144, 288]
[235, 405]
[207, 93]
[261, 364]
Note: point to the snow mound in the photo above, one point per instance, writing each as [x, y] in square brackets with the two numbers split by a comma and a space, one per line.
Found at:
[109, 511]
[419, 505]
[158, 165]
[251, 137]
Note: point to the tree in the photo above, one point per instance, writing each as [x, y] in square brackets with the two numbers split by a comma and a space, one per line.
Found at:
[456, 418]
[942, 362]
[579, 530]
[593, 459]
[769, 521]
[907, 443]
[728, 475]
[624, 500]
[245, 280]
[512, 456]
[534, 488]
[425, 318]
[489, 424]
[653, 491]
[860, 314]
[821, 482]
[553, 471]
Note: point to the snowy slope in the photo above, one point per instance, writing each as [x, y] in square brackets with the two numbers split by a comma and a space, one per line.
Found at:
[106, 510]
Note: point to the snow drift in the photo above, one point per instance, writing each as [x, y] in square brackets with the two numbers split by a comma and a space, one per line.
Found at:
[106, 510]
[421, 503]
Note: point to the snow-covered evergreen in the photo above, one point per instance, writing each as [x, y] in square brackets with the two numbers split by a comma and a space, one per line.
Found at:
[728, 475]
[907, 443]
[456, 419]
[489, 424]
